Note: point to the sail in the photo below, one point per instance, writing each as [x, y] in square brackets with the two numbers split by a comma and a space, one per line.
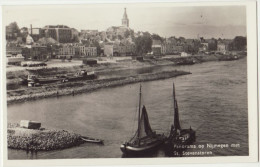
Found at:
[145, 128]
[176, 123]
[176, 116]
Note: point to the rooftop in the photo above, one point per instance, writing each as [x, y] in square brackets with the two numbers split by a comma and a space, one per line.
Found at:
[55, 26]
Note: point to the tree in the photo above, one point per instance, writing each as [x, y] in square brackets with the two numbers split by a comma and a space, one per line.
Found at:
[114, 37]
[85, 42]
[239, 43]
[127, 33]
[132, 34]
[75, 35]
[157, 37]
[24, 33]
[202, 39]
[119, 37]
[143, 44]
[213, 44]
[12, 31]
[14, 28]
[182, 39]
[96, 44]
[75, 39]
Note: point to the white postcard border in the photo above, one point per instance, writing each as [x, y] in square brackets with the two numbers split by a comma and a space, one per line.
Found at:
[252, 108]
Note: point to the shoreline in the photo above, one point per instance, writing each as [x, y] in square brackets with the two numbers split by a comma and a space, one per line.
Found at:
[83, 86]
[97, 84]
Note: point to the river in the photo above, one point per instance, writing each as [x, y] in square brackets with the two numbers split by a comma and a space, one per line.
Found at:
[212, 100]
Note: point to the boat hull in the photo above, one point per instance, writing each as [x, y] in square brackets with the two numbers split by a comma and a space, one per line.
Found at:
[178, 143]
[126, 149]
[92, 140]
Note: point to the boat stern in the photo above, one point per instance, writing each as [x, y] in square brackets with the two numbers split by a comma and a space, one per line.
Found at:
[123, 148]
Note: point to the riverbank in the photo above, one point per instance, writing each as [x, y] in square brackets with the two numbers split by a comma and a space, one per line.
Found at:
[56, 90]
[40, 140]
[112, 74]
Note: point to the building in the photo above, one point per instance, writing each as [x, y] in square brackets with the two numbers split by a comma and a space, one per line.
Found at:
[60, 33]
[113, 32]
[77, 51]
[91, 51]
[13, 49]
[36, 33]
[157, 50]
[67, 50]
[224, 45]
[192, 46]
[156, 47]
[203, 47]
[89, 32]
[108, 49]
[85, 51]
[35, 53]
[29, 40]
[184, 54]
[156, 42]
[125, 20]
[173, 49]
[124, 48]
[9, 33]
[221, 47]
[173, 46]
[163, 49]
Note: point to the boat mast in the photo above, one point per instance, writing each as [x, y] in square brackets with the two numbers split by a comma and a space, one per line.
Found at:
[173, 92]
[174, 100]
[139, 109]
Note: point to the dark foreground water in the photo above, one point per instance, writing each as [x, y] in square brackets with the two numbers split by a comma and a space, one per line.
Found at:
[212, 100]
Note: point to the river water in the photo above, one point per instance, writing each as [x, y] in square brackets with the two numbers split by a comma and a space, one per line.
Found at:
[212, 100]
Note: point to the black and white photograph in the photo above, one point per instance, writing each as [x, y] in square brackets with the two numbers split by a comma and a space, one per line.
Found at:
[129, 81]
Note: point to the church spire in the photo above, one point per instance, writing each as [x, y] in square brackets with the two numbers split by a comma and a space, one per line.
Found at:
[125, 15]
[125, 20]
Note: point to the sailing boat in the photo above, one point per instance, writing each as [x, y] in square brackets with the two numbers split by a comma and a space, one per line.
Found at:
[145, 139]
[178, 135]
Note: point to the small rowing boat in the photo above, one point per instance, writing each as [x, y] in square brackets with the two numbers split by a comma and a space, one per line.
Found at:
[92, 140]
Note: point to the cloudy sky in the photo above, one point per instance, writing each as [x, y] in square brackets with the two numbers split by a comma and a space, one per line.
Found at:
[207, 21]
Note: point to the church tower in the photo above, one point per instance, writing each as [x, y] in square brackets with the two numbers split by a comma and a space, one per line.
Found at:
[125, 20]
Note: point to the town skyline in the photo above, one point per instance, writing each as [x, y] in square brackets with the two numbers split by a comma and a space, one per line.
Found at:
[188, 22]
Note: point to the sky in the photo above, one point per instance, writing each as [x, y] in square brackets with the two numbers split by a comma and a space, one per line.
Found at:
[167, 20]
